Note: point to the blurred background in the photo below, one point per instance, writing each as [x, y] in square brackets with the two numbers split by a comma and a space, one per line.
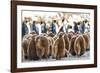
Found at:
[45, 22]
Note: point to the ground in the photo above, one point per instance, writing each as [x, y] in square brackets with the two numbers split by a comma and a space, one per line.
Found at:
[83, 57]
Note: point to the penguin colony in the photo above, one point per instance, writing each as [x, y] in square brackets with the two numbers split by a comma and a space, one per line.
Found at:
[37, 47]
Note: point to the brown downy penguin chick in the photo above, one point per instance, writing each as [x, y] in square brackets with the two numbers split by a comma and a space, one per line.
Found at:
[42, 48]
[50, 34]
[32, 55]
[71, 45]
[25, 43]
[80, 45]
[58, 51]
[50, 40]
[70, 35]
[87, 41]
[66, 39]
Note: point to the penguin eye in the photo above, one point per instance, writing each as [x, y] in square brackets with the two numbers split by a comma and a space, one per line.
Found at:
[70, 26]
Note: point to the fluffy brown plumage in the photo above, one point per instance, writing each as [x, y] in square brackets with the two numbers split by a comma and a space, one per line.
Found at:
[42, 48]
[79, 45]
[59, 47]
[87, 40]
